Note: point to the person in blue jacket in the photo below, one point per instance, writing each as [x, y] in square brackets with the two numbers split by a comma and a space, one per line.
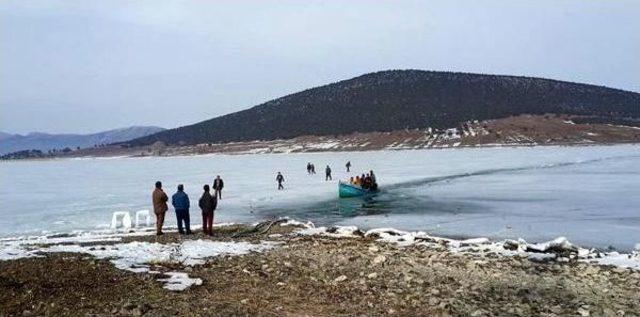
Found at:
[180, 202]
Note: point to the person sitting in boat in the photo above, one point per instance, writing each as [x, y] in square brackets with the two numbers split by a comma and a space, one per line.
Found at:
[366, 184]
[373, 177]
[356, 181]
[352, 181]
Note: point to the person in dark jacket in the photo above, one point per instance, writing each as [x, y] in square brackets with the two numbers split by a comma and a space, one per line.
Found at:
[309, 168]
[374, 182]
[180, 201]
[327, 173]
[348, 166]
[159, 199]
[367, 182]
[218, 184]
[207, 204]
[280, 180]
[363, 182]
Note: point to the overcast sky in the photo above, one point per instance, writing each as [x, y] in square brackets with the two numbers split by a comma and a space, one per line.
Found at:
[87, 66]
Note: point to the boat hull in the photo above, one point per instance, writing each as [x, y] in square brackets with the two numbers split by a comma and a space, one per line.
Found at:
[347, 190]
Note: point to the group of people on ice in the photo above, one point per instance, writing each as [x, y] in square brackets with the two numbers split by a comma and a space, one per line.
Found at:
[180, 202]
[366, 180]
[311, 169]
[208, 202]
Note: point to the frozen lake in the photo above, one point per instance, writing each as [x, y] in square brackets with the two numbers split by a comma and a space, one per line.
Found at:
[589, 194]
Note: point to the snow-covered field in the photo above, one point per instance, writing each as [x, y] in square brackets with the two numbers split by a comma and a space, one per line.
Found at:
[588, 194]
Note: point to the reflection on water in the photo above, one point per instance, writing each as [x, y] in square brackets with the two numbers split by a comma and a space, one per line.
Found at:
[361, 206]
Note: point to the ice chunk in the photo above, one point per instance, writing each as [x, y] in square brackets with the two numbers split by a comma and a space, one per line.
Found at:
[557, 245]
[631, 261]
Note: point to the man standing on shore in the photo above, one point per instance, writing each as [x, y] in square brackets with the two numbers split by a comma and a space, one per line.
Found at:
[327, 172]
[348, 165]
[218, 183]
[159, 199]
[180, 202]
[207, 204]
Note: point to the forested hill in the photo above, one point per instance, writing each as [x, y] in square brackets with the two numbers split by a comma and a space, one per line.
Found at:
[399, 99]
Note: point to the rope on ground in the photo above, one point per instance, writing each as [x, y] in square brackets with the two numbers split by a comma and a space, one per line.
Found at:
[261, 228]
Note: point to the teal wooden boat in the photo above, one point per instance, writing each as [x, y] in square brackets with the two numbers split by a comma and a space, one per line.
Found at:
[348, 190]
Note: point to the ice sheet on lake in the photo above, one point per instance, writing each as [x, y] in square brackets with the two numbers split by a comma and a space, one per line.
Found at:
[504, 188]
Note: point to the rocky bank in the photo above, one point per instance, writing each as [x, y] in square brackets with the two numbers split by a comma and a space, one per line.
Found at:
[326, 273]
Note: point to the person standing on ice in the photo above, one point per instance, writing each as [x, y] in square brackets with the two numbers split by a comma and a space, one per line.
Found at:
[348, 166]
[218, 184]
[180, 201]
[280, 180]
[208, 205]
[159, 199]
[327, 172]
[309, 168]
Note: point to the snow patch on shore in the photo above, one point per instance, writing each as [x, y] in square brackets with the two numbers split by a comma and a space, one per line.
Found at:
[559, 249]
[179, 281]
[147, 257]
[135, 256]
[25, 247]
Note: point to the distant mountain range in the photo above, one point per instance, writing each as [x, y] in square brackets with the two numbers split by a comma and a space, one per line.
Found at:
[401, 99]
[4, 135]
[43, 141]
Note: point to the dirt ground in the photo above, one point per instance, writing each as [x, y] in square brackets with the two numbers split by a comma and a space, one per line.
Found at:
[321, 276]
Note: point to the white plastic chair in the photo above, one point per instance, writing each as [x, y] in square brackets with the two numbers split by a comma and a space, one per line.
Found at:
[143, 214]
[121, 217]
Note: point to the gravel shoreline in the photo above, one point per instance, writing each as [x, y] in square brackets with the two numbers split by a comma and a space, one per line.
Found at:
[320, 275]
